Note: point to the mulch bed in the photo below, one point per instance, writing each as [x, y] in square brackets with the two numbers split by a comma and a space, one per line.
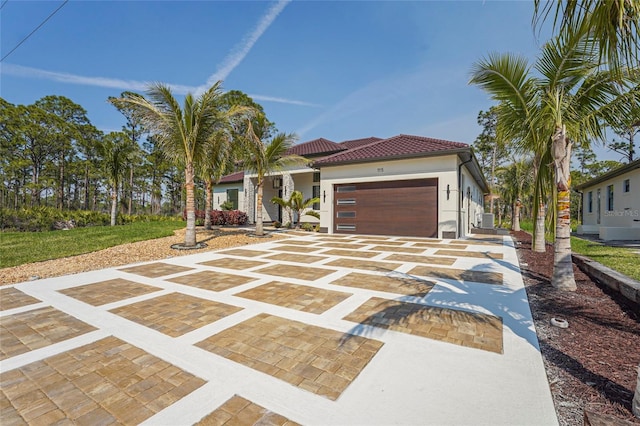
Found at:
[593, 363]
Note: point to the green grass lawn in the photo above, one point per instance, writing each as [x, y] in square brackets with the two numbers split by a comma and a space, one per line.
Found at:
[621, 259]
[17, 248]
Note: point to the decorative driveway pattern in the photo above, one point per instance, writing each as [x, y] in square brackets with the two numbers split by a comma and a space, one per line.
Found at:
[175, 314]
[105, 382]
[108, 291]
[310, 329]
[316, 359]
[448, 325]
[26, 331]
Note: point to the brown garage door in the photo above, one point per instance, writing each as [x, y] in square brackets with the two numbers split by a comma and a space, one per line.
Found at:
[401, 207]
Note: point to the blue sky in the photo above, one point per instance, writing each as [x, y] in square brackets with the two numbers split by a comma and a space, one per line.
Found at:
[338, 70]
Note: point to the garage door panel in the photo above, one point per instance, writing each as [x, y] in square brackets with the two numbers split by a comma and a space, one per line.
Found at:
[407, 207]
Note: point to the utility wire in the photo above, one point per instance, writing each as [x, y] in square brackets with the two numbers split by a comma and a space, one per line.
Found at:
[36, 28]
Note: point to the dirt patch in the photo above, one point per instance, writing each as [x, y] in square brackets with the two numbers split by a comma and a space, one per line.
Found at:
[592, 363]
[125, 254]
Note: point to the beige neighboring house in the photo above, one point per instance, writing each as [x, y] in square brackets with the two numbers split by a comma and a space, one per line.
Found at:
[404, 185]
[611, 204]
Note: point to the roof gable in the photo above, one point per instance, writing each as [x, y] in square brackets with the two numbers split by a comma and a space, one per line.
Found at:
[233, 177]
[611, 174]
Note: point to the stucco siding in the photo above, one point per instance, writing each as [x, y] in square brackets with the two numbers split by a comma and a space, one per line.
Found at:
[625, 208]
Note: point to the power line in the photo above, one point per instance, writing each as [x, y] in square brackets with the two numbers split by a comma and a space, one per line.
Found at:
[36, 28]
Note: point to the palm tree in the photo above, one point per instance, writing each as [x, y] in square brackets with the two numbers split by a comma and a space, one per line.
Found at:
[215, 165]
[117, 154]
[264, 158]
[566, 104]
[298, 205]
[183, 134]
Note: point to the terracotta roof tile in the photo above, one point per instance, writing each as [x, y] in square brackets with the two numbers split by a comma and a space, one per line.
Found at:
[233, 177]
[355, 143]
[395, 147]
[316, 147]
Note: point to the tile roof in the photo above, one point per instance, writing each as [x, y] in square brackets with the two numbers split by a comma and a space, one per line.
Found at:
[395, 147]
[354, 143]
[233, 177]
[316, 147]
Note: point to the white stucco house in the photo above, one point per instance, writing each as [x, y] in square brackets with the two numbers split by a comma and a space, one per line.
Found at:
[403, 185]
[611, 204]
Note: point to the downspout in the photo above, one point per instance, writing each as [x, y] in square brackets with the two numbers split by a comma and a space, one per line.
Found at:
[460, 193]
[581, 209]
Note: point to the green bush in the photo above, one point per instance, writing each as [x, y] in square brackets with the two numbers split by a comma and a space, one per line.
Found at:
[307, 227]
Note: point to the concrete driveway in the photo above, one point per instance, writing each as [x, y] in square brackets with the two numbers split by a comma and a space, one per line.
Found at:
[313, 329]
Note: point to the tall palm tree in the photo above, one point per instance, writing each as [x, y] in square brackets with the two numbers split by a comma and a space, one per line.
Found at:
[183, 134]
[565, 104]
[298, 205]
[264, 158]
[214, 165]
[117, 153]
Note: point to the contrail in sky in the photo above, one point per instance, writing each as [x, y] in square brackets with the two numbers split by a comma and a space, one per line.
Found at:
[241, 50]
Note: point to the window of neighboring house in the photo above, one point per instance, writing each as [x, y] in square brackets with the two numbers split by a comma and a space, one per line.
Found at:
[316, 193]
[590, 201]
[610, 197]
[626, 185]
[232, 195]
[316, 176]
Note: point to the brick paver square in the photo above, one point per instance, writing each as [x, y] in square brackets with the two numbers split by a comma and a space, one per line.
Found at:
[300, 272]
[463, 253]
[210, 280]
[104, 292]
[26, 331]
[157, 269]
[243, 252]
[231, 263]
[298, 258]
[420, 240]
[298, 249]
[458, 274]
[473, 330]
[351, 253]
[299, 242]
[11, 298]
[105, 382]
[317, 359]
[343, 245]
[488, 241]
[293, 296]
[385, 242]
[399, 249]
[440, 245]
[368, 265]
[397, 283]
[240, 411]
[175, 314]
[434, 260]
[371, 237]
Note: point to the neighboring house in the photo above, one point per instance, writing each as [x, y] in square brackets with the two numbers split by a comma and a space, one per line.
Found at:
[403, 185]
[611, 204]
[229, 188]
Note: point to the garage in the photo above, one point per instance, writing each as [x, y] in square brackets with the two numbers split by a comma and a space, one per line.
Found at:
[400, 207]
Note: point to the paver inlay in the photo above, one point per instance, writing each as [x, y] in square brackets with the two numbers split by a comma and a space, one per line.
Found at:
[107, 381]
[317, 359]
[157, 269]
[11, 298]
[351, 253]
[440, 245]
[463, 253]
[392, 284]
[458, 274]
[243, 252]
[368, 265]
[399, 249]
[435, 260]
[300, 297]
[210, 280]
[343, 245]
[298, 249]
[300, 272]
[473, 330]
[109, 291]
[239, 411]
[298, 258]
[26, 331]
[175, 314]
[232, 263]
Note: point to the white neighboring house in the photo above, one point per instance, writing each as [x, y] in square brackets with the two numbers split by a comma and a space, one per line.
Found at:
[611, 204]
[404, 185]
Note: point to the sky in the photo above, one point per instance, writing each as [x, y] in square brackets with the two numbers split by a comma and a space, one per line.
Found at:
[333, 69]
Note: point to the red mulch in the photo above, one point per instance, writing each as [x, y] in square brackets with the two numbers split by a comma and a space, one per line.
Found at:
[592, 363]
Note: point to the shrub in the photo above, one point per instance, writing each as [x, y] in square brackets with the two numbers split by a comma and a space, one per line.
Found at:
[277, 224]
[307, 226]
[227, 205]
[220, 217]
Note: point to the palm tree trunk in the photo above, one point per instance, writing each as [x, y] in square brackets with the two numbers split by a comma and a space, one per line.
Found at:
[538, 233]
[190, 235]
[114, 204]
[130, 206]
[516, 216]
[563, 278]
[259, 227]
[636, 397]
[208, 204]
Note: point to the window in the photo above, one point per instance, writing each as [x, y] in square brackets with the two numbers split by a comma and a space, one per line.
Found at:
[590, 202]
[626, 185]
[277, 183]
[349, 188]
[346, 202]
[316, 194]
[347, 214]
[346, 227]
[316, 176]
[610, 197]
[232, 196]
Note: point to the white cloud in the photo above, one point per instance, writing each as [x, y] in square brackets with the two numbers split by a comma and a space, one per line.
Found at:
[238, 53]
[283, 100]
